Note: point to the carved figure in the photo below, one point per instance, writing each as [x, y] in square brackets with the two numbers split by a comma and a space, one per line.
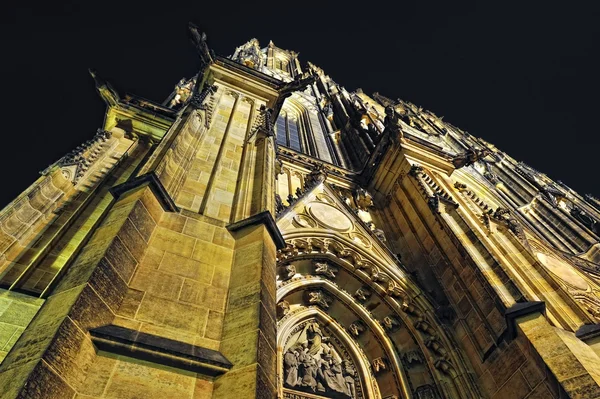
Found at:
[183, 90]
[378, 365]
[199, 41]
[315, 177]
[390, 323]
[283, 308]
[392, 128]
[290, 362]
[362, 294]
[469, 157]
[315, 366]
[278, 204]
[332, 375]
[309, 371]
[356, 328]
[363, 199]
[319, 298]
[290, 272]
[325, 269]
[349, 374]
[586, 219]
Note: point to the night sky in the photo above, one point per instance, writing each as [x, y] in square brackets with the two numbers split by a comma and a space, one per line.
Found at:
[524, 77]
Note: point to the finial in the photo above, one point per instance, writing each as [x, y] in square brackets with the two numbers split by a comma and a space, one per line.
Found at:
[106, 91]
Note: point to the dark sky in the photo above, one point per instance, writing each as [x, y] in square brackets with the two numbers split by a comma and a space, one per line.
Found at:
[523, 76]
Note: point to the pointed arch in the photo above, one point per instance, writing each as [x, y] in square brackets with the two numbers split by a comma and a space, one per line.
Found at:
[319, 228]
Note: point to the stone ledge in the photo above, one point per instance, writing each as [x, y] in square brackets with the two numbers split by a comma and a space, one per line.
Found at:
[265, 218]
[518, 310]
[152, 348]
[151, 180]
[588, 331]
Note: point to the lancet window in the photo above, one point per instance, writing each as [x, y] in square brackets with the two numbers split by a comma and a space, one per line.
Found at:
[287, 131]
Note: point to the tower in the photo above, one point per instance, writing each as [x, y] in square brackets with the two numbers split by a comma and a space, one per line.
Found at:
[267, 233]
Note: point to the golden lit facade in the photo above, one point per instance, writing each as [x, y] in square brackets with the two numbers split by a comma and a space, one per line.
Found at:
[266, 233]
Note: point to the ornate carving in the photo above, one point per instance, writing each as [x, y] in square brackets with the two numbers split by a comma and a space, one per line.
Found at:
[265, 122]
[320, 299]
[283, 308]
[503, 215]
[286, 90]
[362, 294]
[76, 163]
[357, 328]
[249, 55]
[314, 365]
[363, 199]
[290, 271]
[390, 323]
[431, 190]
[279, 207]
[392, 130]
[316, 176]
[183, 90]
[379, 365]
[199, 40]
[585, 219]
[459, 186]
[412, 357]
[547, 190]
[198, 99]
[425, 392]
[469, 157]
[325, 269]
[434, 344]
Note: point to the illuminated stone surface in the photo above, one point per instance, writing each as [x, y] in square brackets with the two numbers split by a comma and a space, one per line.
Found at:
[273, 234]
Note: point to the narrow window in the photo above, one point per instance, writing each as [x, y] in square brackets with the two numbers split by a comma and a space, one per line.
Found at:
[280, 130]
[294, 136]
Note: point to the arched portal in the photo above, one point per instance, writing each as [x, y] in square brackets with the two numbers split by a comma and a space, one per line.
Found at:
[336, 274]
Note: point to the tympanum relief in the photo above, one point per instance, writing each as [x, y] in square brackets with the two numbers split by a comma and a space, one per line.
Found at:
[312, 363]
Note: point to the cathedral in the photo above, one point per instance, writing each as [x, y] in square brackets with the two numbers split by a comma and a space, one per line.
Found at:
[266, 233]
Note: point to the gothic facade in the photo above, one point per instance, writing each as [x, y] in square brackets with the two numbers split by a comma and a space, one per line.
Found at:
[266, 233]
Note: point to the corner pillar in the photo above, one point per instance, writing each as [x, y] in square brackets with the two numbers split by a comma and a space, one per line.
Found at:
[249, 338]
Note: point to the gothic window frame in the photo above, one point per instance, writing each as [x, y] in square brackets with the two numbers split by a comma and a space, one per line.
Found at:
[293, 129]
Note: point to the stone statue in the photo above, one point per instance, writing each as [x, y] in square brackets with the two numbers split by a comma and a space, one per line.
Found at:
[363, 199]
[315, 338]
[199, 41]
[183, 90]
[469, 157]
[349, 374]
[332, 375]
[290, 364]
[309, 371]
